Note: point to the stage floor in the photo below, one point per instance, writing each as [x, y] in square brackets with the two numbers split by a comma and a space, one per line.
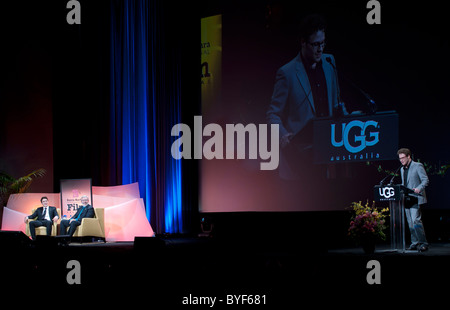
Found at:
[435, 249]
[166, 270]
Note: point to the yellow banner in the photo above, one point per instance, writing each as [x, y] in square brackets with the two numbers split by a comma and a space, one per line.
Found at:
[211, 60]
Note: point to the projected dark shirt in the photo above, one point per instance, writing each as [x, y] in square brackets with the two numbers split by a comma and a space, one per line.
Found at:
[318, 88]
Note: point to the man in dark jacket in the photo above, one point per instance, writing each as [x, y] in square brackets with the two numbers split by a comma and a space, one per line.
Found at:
[86, 210]
[305, 88]
[45, 215]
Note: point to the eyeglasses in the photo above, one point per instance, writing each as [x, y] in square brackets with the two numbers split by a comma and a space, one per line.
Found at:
[318, 44]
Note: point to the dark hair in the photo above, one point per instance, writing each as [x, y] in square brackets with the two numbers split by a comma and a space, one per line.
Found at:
[43, 198]
[405, 151]
[310, 25]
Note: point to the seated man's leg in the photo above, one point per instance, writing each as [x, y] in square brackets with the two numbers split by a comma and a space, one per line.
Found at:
[63, 227]
[48, 225]
[33, 225]
[73, 227]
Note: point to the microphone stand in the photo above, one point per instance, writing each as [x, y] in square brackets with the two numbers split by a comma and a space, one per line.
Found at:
[395, 174]
[371, 103]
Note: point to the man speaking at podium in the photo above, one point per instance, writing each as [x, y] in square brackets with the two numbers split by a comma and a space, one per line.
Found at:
[414, 177]
[305, 88]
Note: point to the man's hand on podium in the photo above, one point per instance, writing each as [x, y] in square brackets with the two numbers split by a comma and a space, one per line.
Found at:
[286, 139]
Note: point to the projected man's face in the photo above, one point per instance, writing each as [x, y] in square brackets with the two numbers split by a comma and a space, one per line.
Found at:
[312, 49]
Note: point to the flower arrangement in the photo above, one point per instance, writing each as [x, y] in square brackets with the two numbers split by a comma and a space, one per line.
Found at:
[367, 222]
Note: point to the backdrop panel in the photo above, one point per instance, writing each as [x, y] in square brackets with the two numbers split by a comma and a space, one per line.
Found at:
[13, 220]
[71, 192]
[125, 221]
[126, 191]
[26, 202]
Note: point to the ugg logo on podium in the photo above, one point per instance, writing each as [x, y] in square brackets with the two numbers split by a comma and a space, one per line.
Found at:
[386, 192]
[356, 138]
[360, 139]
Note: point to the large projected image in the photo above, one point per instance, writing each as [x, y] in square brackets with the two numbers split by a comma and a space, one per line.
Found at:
[302, 102]
[284, 65]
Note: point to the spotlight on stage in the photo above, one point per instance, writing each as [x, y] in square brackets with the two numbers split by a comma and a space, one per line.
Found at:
[207, 227]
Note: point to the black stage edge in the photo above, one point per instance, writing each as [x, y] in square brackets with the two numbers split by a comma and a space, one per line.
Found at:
[167, 269]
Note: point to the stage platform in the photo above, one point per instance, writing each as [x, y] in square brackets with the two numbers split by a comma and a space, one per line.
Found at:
[167, 269]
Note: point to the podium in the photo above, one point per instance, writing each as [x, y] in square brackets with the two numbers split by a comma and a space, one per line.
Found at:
[395, 194]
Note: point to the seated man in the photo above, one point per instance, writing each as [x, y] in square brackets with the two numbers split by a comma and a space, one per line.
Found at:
[85, 211]
[45, 217]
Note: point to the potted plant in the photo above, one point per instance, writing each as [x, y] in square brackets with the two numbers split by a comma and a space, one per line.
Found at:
[10, 185]
[367, 225]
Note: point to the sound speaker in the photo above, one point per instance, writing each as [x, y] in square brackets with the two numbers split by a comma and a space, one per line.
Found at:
[45, 241]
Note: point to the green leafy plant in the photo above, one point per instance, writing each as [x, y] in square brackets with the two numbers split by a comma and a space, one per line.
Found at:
[431, 169]
[10, 185]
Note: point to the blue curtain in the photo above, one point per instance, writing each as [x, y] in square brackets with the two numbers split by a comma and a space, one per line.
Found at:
[145, 103]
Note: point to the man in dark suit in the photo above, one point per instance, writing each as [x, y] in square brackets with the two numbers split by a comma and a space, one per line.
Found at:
[86, 210]
[305, 88]
[45, 217]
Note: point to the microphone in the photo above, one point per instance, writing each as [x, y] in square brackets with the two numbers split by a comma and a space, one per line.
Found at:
[340, 107]
[393, 177]
[372, 105]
